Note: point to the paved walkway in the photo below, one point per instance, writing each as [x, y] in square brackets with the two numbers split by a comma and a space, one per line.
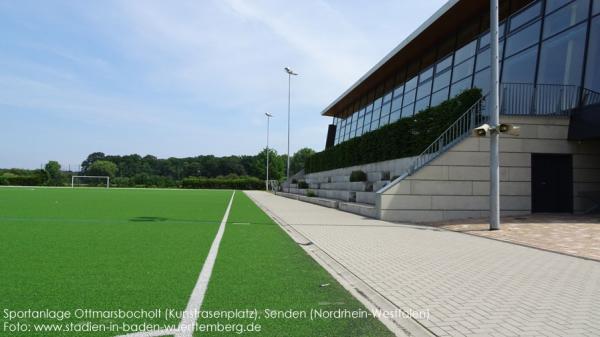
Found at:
[577, 235]
[471, 286]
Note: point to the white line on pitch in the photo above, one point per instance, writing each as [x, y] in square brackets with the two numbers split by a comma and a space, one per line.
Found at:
[190, 315]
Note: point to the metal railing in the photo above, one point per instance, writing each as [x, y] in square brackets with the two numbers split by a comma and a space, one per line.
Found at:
[538, 99]
[460, 129]
[589, 97]
[515, 99]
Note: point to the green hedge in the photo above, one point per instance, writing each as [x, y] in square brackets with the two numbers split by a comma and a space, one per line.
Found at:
[404, 138]
[241, 183]
[22, 181]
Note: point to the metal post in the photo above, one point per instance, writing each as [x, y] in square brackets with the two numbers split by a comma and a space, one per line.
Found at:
[288, 126]
[267, 182]
[494, 121]
[290, 72]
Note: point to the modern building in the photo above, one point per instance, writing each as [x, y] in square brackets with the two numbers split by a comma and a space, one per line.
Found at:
[550, 86]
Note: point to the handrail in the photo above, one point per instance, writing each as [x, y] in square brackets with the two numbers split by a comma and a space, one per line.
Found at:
[456, 132]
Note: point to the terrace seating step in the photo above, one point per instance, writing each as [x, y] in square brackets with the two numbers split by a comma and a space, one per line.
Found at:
[366, 197]
[351, 207]
[346, 186]
[358, 208]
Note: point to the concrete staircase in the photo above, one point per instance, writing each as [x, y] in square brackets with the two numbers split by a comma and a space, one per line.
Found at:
[335, 190]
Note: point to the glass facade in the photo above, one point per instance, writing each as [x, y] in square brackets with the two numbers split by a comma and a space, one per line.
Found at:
[553, 42]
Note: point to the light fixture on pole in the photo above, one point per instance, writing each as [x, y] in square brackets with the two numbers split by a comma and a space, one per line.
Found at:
[290, 72]
[494, 120]
[268, 120]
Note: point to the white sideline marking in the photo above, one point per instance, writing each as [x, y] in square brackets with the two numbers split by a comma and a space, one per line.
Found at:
[190, 315]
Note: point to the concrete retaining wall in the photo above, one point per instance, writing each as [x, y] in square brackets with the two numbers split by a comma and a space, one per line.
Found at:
[456, 185]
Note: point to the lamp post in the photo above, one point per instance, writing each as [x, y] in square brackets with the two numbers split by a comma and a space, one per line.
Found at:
[290, 72]
[268, 120]
[494, 120]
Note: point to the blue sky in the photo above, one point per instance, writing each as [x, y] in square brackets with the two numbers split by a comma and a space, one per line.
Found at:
[181, 78]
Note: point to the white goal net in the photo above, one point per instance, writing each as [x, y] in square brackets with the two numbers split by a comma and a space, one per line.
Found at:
[90, 181]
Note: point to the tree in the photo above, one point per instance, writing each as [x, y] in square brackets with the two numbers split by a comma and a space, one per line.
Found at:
[276, 165]
[102, 168]
[53, 173]
[299, 158]
[91, 159]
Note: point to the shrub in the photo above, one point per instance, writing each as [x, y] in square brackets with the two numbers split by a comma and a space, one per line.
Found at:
[358, 176]
[241, 183]
[404, 138]
[302, 184]
[311, 194]
[34, 180]
[3, 180]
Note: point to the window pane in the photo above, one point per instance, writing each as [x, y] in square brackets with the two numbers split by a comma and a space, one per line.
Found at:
[459, 87]
[520, 68]
[482, 80]
[443, 64]
[409, 97]
[465, 52]
[396, 103]
[385, 110]
[377, 103]
[422, 104]
[523, 39]
[407, 111]
[592, 73]
[424, 90]
[387, 97]
[596, 9]
[425, 75]
[411, 84]
[551, 5]
[398, 91]
[395, 116]
[462, 70]
[525, 16]
[566, 17]
[441, 80]
[561, 58]
[484, 40]
[483, 59]
[440, 96]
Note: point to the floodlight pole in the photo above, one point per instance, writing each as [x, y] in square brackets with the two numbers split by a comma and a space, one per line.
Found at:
[290, 72]
[268, 120]
[494, 120]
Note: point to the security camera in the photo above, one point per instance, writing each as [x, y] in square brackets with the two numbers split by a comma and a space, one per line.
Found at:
[509, 129]
[483, 130]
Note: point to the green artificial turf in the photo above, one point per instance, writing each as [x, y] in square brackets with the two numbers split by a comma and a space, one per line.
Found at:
[64, 249]
[260, 267]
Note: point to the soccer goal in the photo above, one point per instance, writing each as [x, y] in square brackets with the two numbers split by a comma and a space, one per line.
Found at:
[85, 180]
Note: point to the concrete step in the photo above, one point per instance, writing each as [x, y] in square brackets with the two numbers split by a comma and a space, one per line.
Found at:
[352, 207]
[295, 191]
[366, 197]
[340, 179]
[313, 200]
[346, 186]
[336, 194]
[358, 208]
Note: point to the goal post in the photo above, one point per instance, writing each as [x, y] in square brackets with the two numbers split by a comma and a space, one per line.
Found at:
[78, 178]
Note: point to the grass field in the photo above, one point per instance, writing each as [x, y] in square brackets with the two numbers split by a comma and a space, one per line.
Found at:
[69, 249]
